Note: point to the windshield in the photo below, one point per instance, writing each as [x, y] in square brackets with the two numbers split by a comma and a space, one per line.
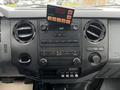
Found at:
[69, 3]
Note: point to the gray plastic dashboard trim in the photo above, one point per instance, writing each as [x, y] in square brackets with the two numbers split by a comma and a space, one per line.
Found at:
[41, 12]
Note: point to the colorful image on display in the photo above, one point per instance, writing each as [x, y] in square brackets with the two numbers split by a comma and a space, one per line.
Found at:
[59, 14]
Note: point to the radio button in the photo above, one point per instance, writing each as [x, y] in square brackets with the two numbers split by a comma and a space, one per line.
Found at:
[62, 75]
[43, 53]
[76, 75]
[72, 75]
[75, 53]
[62, 41]
[67, 75]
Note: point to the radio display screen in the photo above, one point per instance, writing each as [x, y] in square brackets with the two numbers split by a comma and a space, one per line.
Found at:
[59, 15]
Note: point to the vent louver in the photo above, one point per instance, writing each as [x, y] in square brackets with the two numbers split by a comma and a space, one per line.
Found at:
[24, 31]
[94, 30]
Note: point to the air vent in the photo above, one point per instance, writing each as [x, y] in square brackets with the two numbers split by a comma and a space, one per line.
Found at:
[24, 31]
[94, 31]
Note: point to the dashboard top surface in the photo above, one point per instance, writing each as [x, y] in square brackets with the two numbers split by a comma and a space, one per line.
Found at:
[41, 12]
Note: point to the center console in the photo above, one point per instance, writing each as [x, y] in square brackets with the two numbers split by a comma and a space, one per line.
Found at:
[44, 51]
[60, 49]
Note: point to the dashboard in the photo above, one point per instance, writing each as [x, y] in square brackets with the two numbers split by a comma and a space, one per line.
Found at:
[43, 51]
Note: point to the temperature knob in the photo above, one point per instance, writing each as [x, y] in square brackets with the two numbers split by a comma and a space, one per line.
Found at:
[95, 58]
[44, 27]
[43, 61]
[76, 61]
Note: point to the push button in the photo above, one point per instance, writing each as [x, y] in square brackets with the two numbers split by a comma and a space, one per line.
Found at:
[76, 75]
[67, 75]
[71, 75]
[62, 76]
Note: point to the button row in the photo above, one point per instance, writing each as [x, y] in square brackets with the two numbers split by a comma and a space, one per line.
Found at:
[58, 41]
[70, 75]
[59, 53]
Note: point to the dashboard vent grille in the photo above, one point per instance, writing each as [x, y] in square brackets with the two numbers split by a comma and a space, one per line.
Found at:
[94, 30]
[24, 31]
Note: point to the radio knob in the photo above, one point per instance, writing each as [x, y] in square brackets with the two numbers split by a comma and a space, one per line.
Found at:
[44, 27]
[75, 27]
[76, 61]
[43, 61]
[95, 58]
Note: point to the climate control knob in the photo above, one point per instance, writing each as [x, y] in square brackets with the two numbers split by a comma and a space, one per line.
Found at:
[94, 58]
[43, 61]
[44, 27]
[76, 61]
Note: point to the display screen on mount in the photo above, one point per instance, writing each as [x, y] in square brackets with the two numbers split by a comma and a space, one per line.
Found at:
[59, 15]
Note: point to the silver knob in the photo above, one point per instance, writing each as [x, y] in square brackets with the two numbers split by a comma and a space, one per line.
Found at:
[43, 61]
[95, 58]
[76, 61]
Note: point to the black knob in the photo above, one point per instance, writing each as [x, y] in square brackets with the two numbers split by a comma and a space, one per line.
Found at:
[95, 58]
[43, 61]
[75, 27]
[25, 59]
[44, 27]
[76, 61]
